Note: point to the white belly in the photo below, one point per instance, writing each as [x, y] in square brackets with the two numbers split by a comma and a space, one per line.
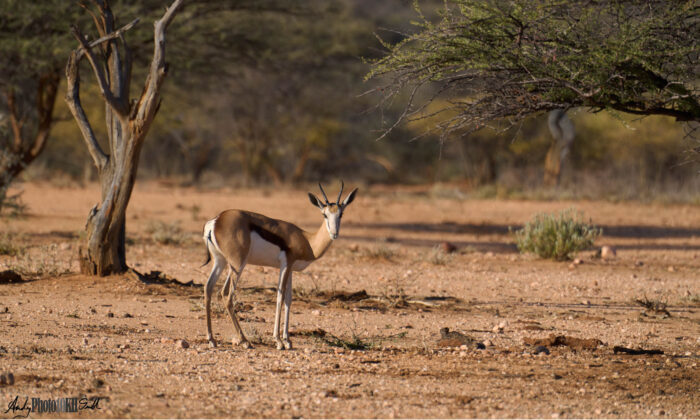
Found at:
[263, 252]
[267, 254]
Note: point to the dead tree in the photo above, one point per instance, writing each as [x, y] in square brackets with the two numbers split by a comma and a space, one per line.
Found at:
[127, 122]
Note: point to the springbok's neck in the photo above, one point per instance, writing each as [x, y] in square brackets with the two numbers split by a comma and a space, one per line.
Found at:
[320, 241]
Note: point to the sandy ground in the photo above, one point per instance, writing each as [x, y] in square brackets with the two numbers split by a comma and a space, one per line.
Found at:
[374, 355]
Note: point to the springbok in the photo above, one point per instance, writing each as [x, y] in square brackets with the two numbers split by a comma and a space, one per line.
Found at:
[236, 238]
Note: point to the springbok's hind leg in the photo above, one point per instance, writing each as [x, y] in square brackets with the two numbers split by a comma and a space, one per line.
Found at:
[216, 271]
[227, 284]
[239, 337]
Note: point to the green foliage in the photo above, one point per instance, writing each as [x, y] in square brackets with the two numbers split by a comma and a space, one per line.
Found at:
[556, 237]
[499, 59]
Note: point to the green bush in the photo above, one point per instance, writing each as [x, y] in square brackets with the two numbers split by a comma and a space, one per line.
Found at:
[556, 237]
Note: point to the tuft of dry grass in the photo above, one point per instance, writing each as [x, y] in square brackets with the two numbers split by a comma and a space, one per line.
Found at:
[655, 306]
[438, 256]
[378, 253]
[166, 233]
[9, 244]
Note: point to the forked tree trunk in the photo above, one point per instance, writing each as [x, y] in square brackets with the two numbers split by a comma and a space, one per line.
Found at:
[127, 124]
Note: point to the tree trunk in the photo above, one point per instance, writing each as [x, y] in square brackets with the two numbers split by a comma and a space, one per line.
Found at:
[127, 124]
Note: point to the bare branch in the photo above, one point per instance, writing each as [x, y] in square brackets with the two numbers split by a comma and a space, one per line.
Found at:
[73, 102]
[115, 104]
[119, 33]
[14, 120]
[147, 104]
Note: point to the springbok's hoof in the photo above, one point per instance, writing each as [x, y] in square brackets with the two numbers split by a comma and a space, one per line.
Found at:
[287, 344]
[280, 345]
[212, 343]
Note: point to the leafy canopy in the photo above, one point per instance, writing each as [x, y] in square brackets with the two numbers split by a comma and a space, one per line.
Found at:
[501, 60]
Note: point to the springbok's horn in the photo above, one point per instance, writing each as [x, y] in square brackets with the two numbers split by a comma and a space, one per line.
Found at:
[342, 184]
[323, 192]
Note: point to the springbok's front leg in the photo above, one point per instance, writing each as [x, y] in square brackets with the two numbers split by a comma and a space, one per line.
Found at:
[287, 306]
[284, 274]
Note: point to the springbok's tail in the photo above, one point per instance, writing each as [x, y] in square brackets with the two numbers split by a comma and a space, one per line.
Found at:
[206, 235]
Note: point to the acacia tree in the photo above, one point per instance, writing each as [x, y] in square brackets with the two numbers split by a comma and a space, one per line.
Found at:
[33, 48]
[127, 122]
[499, 61]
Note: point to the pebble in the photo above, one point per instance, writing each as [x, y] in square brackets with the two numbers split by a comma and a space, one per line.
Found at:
[7, 379]
[607, 252]
[541, 349]
[182, 343]
[316, 312]
[487, 343]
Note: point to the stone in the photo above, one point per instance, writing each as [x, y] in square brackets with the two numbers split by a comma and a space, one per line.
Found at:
[541, 349]
[607, 252]
[447, 247]
[182, 344]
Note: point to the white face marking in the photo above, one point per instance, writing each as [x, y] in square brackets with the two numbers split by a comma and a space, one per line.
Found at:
[333, 214]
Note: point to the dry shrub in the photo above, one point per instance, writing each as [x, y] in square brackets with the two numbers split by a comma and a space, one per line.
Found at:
[556, 237]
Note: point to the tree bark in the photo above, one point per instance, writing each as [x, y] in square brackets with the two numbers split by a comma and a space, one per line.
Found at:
[127, 125]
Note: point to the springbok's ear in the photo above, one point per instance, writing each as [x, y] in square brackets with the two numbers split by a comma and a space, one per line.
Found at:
[349, 198]
[315, 201]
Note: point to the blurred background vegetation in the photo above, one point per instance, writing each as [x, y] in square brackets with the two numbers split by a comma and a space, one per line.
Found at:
[271, 93]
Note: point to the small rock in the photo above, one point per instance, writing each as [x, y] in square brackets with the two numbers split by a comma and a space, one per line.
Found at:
[447, 247]
[110, 315]
[607, 252]
[671, 269]
[487, 343]
[638, 263]
[10, 276]
[85, 341]
[164, 340]
[128, 315]
[578, 261]
[316, 312]
[182, 344]
[541, 349]
[556, 377]
[480, 346]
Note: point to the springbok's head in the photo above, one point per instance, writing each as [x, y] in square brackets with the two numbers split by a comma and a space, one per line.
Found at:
[332, 212]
